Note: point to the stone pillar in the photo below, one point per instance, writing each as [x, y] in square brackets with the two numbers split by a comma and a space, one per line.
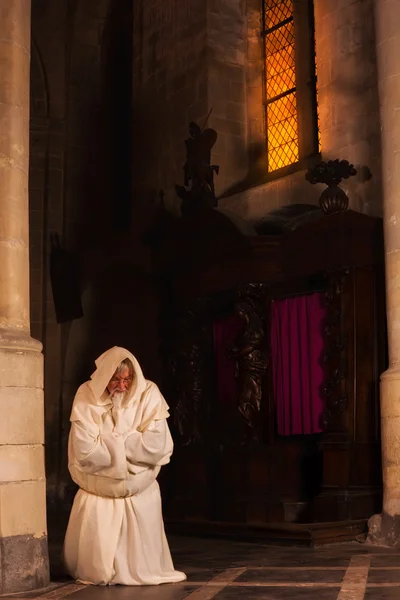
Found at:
[23, 538]
[385, 528]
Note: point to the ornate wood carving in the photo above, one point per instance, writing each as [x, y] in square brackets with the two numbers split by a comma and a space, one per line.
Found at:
[250, 354]
[198, 190]
[335, 360]
[186, 355]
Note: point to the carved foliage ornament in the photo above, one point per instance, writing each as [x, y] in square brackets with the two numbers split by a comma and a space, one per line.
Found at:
[334, 356]
[250, 355]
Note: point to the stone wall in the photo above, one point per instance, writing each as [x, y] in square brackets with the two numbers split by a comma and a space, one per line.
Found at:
[209, 55]
[65, 90]
[348, 110]
[77, 126]
[348, 94]
[189, 58]
[226, 83]
[169, 90]
[46, 196]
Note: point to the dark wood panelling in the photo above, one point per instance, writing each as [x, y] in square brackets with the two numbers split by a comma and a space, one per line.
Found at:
[203, 266]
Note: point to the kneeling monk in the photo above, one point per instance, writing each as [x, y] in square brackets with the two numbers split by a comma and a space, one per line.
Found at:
[118, 442]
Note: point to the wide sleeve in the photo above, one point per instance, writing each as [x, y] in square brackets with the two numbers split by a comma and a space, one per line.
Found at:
[96, 453]
[149, 448]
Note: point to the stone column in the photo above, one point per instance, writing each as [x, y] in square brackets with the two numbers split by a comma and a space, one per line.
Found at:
[385, 528]
[23, 538]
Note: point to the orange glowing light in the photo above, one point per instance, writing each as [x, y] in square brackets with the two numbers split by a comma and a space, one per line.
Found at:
[318, 116]
[281, 107]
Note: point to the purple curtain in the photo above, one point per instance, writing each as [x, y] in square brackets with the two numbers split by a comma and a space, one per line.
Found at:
[297, 346]
[226, 331]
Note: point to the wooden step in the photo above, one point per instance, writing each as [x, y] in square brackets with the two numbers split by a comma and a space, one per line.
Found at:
[295, 534]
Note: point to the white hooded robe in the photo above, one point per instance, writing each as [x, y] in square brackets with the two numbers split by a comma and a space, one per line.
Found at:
[115, 533]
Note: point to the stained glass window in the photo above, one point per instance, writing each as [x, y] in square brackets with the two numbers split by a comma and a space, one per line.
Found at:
[281, 87]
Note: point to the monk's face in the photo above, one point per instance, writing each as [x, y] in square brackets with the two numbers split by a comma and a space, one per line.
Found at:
[120, 382]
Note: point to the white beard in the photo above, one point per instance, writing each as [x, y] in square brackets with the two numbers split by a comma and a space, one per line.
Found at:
[117, 398]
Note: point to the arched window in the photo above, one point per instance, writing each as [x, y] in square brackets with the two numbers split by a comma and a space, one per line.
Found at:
[291, 122]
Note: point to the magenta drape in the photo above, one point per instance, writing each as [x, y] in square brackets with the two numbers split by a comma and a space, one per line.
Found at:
[226, 331]
[297, 347]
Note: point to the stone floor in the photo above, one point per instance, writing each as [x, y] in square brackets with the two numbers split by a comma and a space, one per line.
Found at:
[229, 570]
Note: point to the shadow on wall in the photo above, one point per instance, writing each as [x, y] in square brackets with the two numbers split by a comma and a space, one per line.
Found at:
[120, 309]
[257, 168]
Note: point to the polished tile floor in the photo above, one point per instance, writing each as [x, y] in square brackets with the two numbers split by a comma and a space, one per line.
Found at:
[229, 570]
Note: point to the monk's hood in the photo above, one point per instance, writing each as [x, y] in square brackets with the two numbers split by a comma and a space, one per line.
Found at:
[106, 365]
